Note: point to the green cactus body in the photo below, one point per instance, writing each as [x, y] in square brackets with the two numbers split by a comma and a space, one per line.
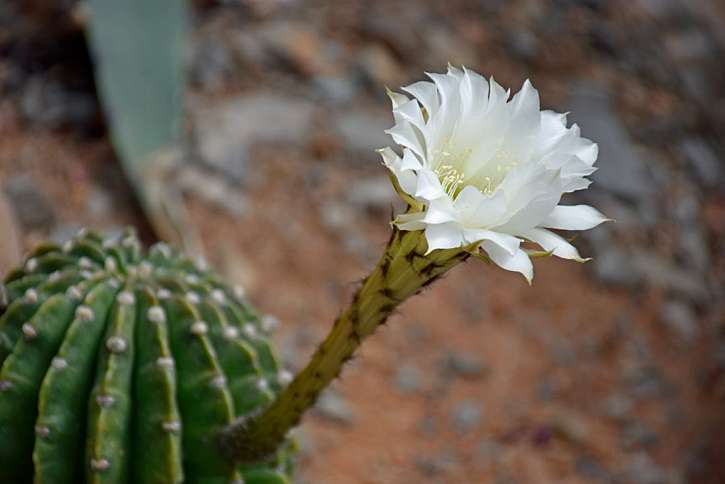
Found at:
[122, 367]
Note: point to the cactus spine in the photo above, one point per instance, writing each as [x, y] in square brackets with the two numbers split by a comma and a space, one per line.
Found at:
[120, 366]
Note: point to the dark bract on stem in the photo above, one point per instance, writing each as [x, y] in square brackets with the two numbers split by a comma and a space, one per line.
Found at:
[402, 271]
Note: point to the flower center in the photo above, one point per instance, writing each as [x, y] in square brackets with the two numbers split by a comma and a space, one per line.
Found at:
[486, 176]
[492, 172]
[450, 178]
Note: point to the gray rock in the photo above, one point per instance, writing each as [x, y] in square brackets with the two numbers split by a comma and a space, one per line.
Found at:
[641, 469]
[335, 89]
[701, 157]
[646, 382]
[427, 426]
[688, 45]
[379, 67]
[693, 247]
[363, 133]
[212, 64]
[637, 435]
[547, 390]
[436, 465]
[372, 194]
[213, 188]
[466, 415]
[408, 378]
[445, 46]
[489, 450]
[618, 406]
[588, 467]
[659, 8]
[616, 265]
[463, 365]
[692, 244]
[99, 203]
[227, 131]
[613, 266]
[50, 104]
[63, 232]
[523, 43]
[622, 169]
[680, 319]
[332, 406]
[663, 273]
[298, 46]
[336, 215]
[33, 207]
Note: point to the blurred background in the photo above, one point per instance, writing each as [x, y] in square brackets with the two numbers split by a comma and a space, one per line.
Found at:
[245, 130]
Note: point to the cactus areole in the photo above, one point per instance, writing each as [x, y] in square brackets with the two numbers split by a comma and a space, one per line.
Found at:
[123, 367]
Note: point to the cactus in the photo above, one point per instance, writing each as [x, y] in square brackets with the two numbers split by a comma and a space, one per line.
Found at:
[120, 366]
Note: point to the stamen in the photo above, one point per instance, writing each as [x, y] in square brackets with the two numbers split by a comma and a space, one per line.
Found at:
[451, 179]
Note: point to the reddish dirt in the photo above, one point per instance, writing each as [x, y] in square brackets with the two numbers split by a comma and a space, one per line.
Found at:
[566, 332]
[557, 354]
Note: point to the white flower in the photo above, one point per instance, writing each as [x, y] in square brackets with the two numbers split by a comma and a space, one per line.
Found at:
[484, 171]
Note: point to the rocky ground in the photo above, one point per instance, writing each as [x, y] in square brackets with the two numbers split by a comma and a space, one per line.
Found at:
[610, 372]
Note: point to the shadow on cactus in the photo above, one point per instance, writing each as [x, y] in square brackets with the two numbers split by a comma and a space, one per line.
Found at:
[124, 367]
[120, 366]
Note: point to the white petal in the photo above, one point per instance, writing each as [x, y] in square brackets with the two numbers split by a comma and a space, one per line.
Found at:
[497, 94]
[440, 211]
[554, 243]
[426, 93]
[410, 161]
[576, 217]
[389, 156]
[507, 242]
[518, 262]
[477, 210]
[404, 134]
[447, 86]
[429, 187]
[410, 111]
[526, 115]
[407, 179]
[443, 236]
[531, 214]
[397, 99]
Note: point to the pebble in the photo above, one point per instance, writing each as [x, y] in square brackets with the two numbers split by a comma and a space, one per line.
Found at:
[436, 465]
[48, 103]
[372, 194]
[363, 133]
[641, 469]
[463, 365]
[622, 169]
[588, 467]
[227, 131]
[638, 435]
[34, 209]
[379, 67]
[466, 415]
[332, 406]
[618, 406]
[408, 378]
[680, 319]
[703, 161]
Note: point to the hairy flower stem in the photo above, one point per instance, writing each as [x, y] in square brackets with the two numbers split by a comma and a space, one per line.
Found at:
[402, 271]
